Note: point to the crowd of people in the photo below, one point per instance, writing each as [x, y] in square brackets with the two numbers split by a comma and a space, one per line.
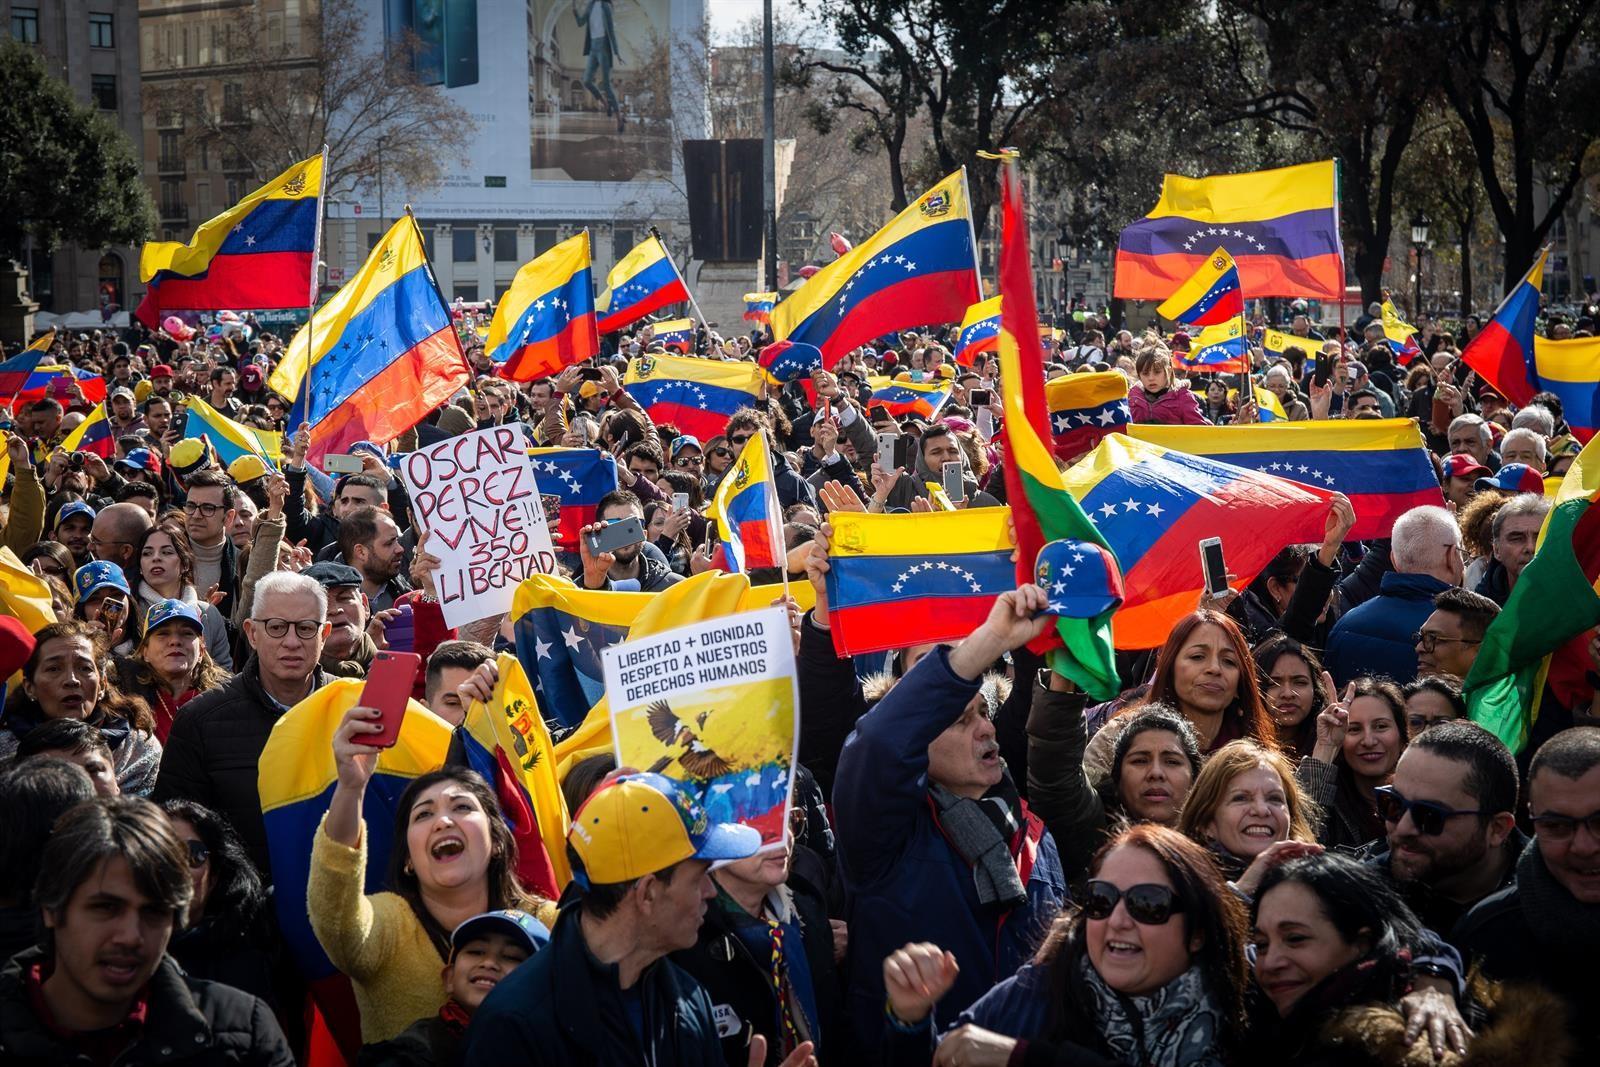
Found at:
[1284, 841]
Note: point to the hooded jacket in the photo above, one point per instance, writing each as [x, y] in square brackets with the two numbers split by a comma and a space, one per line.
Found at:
[914, 484]
[1375, 637]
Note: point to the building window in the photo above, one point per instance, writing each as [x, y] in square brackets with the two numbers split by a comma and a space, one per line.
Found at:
[235, 194]
[372, 240]
[25, 24]
[505, 246]
[233, 102]
[110, 290]
[467, 293]
[621, 242]
[169, 158]
[99, 30]
[103, 88]
[544, 239]
[464, 247]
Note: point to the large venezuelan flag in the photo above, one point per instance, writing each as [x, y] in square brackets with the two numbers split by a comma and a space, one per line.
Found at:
[1084, 408]
[93, 435]
[924, 399]
[643, 281]
[747, 512]
[16, 371]
[546, 319]
[1382, 465]
[980, 331]
[231, 439]
[259, 254]
[922, 267]
[907, 579]
[382, 353]
[695, 395]
[1211, 296]
[571, 483]
[1154, 505]
[1281, 227]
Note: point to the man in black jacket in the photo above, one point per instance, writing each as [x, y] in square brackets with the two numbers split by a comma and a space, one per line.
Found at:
[212, 752]
[114, 881]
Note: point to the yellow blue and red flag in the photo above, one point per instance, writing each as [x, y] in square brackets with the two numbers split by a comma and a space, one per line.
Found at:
[1219, 349]
[747, 512]
[1281, 227]
[16, 372]
[41, 383]
[1400, 336]
[381, 354]
[643, 281]
[758, 306]
[921, 267]
[1084, 408]
[677, 334]
[572, 482]
[93, 435]
[695, 395]
[259, 254]
[1211, 296]
[546, 319]
[229, 438]
[924, 399]
[980, 331]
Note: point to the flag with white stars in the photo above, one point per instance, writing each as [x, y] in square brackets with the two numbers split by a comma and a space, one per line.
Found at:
[571, 483]
[1211, 295]
[1084, 408]
[546, 319]
[695, 395]
[675, 333]
[644, 280]
[1223, 349]
[785, 361]
[980, 331]
[559, 631]
[924, 399]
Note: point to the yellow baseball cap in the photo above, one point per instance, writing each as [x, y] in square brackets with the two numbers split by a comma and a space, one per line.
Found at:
[637, 824]
[247, 468]
[188, 456]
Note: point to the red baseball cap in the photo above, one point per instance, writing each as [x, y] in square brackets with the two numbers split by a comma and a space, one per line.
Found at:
[1462, 465]
[161, 370]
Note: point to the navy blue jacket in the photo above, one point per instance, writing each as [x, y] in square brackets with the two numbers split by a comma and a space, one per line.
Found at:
[1375, 637]
[903, 879]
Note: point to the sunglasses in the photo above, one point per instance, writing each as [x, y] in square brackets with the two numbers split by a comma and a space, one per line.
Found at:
[198, 853]
[722, 452]
[1564, 827]
[1426, 815]
[739, 442]
[1148, 904]
[688, 461]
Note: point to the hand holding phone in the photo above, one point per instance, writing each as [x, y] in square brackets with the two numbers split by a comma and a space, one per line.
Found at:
[1213, 567]
[615, 535]
[954, 488]
[390, 680]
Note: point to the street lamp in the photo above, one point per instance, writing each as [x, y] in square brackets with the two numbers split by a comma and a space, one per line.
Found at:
[1419, 239]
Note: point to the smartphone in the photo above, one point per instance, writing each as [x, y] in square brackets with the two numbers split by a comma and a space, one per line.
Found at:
[916, 375]
[389, 683]
[400, 632]
[886, 452]
[1213, 567]
[877, 413]
[335, 463]
[111, 612]
[953, 487]
[1323, 370]
[902, 451]
[680, 501]
[589, 374]
[827, 409]
[619, 534]
[980, 398]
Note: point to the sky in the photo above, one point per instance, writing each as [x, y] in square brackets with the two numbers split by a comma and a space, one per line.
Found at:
[727, 14]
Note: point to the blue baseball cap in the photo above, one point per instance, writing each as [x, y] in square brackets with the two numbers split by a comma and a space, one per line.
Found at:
[73, 508]
[1080, 578]
[517, 925]
[165, 611]
[90, 578]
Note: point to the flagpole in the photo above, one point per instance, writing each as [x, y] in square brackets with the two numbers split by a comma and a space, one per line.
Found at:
[972, 231]
[303, 390]
[1244, 364]
[689, 292]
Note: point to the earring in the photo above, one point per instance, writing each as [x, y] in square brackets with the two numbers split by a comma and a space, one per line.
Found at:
[407, 868]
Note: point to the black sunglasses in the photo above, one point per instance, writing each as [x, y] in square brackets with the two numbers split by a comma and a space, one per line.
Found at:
[1426, 815]
[1148, 904]
[198, 853]
[722, 452]
[1564, 827]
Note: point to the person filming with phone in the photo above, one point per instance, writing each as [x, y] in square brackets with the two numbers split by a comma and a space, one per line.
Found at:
[613, 551]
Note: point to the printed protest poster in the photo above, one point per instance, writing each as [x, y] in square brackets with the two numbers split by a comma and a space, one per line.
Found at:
[477, 497]
[713, 704]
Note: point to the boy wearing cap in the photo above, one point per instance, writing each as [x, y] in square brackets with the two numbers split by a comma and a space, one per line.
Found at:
[483, 951]
[602, 991]
[73, 523]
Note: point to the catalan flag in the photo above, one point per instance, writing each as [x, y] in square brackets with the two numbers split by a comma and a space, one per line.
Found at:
[785, 361]
[381, 354]
[259, 254]
[1399, 335]
[15, 372]
[572, 482]
[1281, 227]
[231, 439]
[924, 399]
[676, 334]
[695, 395]
[1084, 408]
[747, 512]
[93, 435]
[1211, 296]
[643, 281]
[922, 267]
[1153, 505]
[546, 319]
[980, 331]
[1219, 349]
[758, 306]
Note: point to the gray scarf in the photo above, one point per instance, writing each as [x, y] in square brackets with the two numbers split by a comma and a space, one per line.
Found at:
[1176, 1026]
[1556, 918]
[981, 831]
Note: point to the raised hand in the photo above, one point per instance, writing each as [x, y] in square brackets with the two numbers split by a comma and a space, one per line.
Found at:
[916, 978]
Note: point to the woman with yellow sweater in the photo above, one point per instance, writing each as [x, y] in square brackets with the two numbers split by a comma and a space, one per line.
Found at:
[453, 857]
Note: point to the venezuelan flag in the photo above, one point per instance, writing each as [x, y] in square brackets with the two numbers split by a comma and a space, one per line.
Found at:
[93, 435]
[1050, 338]
[1399, 335]
[758, 306]
[1268, 407]
[37, 385]
[1084, 408]
[675, 333]
[922, 267]
[1281, 227]
[382, 353]
[643, 281]
[980, 331]
[1220, 349]
[24, 595]
[1211, 296]
[559, 631]
[16, 371]
[546, 319]
[746, 509]
[229, 438]
[924, 399]
[571, 483]
[1154, 504]
[907, 579]
[259, 254]
[695, 395]
[785, 361]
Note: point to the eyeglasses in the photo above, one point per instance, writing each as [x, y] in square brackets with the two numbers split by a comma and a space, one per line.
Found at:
[1563, 827]
[722, 452]
[1427, 816]
[304, 629]
[207, 510]
[1427, 640]
[198, 853]
[1148, 904]
[689, 461]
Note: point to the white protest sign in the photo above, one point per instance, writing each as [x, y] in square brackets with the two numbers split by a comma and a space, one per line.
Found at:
[476, 496]
[713, 704]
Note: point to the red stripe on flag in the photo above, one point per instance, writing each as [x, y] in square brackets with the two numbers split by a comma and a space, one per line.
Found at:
[574, 344]
[258, 281]
[397, 397]
[759, 550]
[673, 292]
[944, 296]
[1143, 277]
[697, 422]
[901, 623]
[1498, 357]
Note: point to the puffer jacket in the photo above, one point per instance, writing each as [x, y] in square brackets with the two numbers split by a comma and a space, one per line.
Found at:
[1175, 407]
[1375, 637]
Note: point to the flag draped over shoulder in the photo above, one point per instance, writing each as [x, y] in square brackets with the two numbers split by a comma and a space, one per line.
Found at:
[1548, 616]
[572, 482]
[1212, 295]
[259, 254]
[1281, 227]
[230, 439]
[546, 319]
[747, 512]
[695, 395]
[921, 267]
[381, 354]
[643, 281]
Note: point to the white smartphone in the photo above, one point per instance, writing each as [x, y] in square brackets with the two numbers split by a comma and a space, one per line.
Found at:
[680, 501]
[1213, 567]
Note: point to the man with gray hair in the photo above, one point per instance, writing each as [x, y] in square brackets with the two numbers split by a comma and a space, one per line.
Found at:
[1535, 417]
[1514, 533]
[1470, 434]
[1523, 445]
[216, 741]
[1376, 637]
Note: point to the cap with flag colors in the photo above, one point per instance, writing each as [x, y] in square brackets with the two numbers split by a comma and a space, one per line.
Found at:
[637, 824]
[675, 333]
[910, 398]
[1281, 227]
[546, 319]
[1080, 578]
[1084, 408]
[1211, 295]
[93, 434]
[758, 306]
[1153, 505]
[1221, 349]
[1400, 336]
[980, 331]
[747, 512]
[259, 254]
[784, 361]
[572, 482]
[921, 267]
[232, 440]
[386, 352]
[643, 281]
[695, 395]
